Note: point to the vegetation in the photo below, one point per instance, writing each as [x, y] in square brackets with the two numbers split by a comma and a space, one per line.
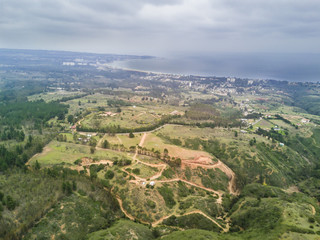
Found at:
[167, 195]
[192, 157]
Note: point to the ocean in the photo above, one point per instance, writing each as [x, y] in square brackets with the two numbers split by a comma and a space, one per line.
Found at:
[288, 67]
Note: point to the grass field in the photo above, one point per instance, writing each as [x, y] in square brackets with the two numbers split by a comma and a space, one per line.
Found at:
[67, 153]
[53, 96]
[264, 124]
[152, 141]
[130, 116]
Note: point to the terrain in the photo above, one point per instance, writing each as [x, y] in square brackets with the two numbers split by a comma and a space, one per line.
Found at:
[92, 152]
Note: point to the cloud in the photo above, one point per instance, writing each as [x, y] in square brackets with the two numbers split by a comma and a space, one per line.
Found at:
[161, 27]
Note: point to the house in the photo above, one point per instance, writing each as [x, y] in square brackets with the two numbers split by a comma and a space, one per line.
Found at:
[152, 183]
[304, 120]
[281, 144]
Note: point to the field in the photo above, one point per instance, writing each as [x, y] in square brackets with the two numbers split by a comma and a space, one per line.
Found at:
[67, 153]
[54, 96]
[156, 143]
[128, 116]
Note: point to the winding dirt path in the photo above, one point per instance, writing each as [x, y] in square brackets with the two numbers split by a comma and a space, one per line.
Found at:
[205, 215]
[159, 174]
[224, 168]
[119, 139]
[189, 213]
[100, 141]
[128, 215]
[45, 150]
[138, 115]
[232, 187]
[219, 194]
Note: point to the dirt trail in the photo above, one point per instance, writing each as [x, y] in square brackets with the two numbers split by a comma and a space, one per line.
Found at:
[100, 141]
[224, 168]
[205, 215]
[138, 115]
[143, 139]
[160, 220]
[219, 194]
[232, 186]
[128, 215]
[189, 213]
[45, 150]
[159, 174]
[119, 139]
[123, 210]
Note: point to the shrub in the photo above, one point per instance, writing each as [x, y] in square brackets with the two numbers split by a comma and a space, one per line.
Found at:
[136, 171]
[167, 195]
[109, 174]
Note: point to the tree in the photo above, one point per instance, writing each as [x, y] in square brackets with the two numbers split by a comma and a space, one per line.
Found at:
[70, 118]
[109, 174]
[74, 185]
[37, 165]
[11, 204]
[165, 151]
[1, 196]
[118, 110]
[92, 149]
[236, 134]
[106, 144]
[131, 135]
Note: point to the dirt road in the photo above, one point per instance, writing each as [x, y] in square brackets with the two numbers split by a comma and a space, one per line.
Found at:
[154, 224]
[232, 187]
[143, 139]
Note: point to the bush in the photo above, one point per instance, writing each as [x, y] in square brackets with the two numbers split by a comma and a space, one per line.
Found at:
[167, 195]
[109, 174]
[151, 204]
[136, 171]
[11, 204]
[311, 219]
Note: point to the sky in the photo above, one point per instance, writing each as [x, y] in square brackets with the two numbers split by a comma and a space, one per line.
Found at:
[162, 27]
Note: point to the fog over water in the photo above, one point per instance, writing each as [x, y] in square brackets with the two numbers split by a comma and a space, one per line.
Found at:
[288, 67]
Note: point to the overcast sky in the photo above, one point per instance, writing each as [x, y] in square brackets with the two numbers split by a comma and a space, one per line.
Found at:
[161, 27]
